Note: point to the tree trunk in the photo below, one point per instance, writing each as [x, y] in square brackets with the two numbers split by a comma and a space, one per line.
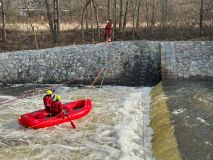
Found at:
[87, 25]
[52, 21]
[147, 14]
[97, 20]
[91, 24]
[121, 14]
[108, 9]
[133, 20]
[82, 20]
[166, 11]
[31, 24]
[153, 14]
[70, 9]
[201, 17]
[49, 16]
[125, 14]
[114, 17]
[125, 18]
[57, 19]
[164, 7]
[162, 13]
[4, 35]
[138, 15]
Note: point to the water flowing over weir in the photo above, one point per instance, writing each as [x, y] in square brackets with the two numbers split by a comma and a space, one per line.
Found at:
[113, 130]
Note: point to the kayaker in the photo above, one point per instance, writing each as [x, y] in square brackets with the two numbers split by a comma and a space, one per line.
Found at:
[108, 31]
[56, 107]
[47, 99]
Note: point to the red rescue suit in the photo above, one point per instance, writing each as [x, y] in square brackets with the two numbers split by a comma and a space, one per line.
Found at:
[108, 32]
[47, 102]
[56, 108]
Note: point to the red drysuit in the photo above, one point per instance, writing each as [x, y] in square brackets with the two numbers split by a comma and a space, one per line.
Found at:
[108, 32]
[56, 108]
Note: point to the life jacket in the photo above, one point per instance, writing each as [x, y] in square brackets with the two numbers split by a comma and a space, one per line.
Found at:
[47, 101]
[56, 108]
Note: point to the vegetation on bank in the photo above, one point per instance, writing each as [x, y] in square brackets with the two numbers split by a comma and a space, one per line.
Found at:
[165, 145]
[36, 24]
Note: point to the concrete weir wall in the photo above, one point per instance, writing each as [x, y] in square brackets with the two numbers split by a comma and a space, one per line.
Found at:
[120, 63]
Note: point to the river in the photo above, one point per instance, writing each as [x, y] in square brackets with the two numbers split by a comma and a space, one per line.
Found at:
[191, 107]
[116, 128]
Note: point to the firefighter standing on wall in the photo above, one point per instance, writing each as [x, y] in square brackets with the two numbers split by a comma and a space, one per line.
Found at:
[108, 31]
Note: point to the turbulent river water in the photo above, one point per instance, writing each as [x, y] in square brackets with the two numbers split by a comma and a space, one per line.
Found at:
[113, 130]
[191, 106]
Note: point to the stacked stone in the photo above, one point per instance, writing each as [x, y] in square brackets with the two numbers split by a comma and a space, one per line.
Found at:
[187, 60]
[120, 63]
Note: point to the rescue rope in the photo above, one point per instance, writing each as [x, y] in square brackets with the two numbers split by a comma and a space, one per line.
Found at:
[92, 84]
[36, 93]
[86, 126]
[104, 69]
[58, 85]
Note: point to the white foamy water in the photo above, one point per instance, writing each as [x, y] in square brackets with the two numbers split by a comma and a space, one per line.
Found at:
[116, 128]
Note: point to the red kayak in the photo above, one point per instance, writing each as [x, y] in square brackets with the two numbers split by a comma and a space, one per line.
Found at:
[38, 119]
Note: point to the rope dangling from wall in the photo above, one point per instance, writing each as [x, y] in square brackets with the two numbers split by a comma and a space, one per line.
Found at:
[104, 69]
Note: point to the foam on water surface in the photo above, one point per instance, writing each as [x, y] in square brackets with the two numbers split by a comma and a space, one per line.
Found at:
[116, 128]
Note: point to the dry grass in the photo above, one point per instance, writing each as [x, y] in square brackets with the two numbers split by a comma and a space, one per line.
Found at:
[164, 141]
[20, 35]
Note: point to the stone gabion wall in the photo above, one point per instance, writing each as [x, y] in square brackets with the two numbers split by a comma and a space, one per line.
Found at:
[121, 63]
[187, 60]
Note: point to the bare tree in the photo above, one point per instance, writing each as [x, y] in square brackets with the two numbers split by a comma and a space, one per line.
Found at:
[121, 14]
[181, 15]
[125, 14]
[82, 20]
[153, 13]
[147, 13]
[109, 9]
[164, 7]
[86, 17]
[4, 36]
[91, 24]
[56, 19]
[138, 14]
[114, 18]
[31, 24]
[97, 19]
[53, 19]
[201, 17]
[134, 6]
